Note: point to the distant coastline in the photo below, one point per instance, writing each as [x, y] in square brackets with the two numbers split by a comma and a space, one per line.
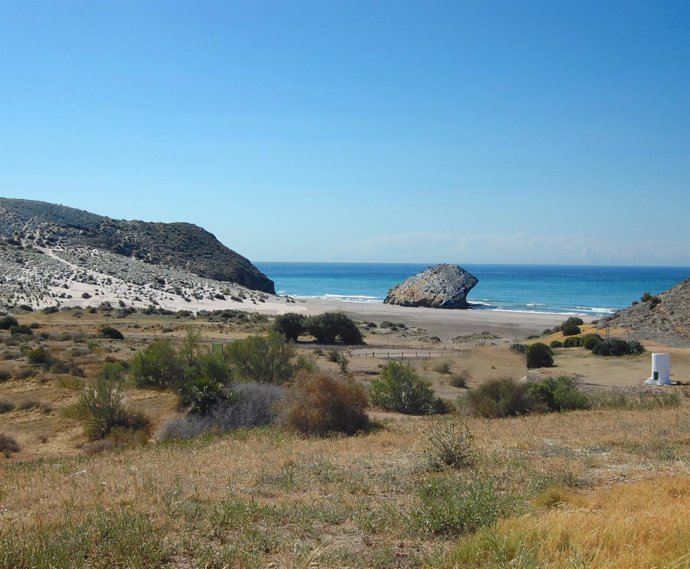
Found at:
[588, 290]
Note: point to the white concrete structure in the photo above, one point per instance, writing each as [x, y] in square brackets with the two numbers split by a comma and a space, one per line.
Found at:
[661, 370]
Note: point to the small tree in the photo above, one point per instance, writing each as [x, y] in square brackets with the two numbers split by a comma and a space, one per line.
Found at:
[399, 388]
[111, 333]
[539, 355]
[332, 326]
[290, 325]
[265, 359]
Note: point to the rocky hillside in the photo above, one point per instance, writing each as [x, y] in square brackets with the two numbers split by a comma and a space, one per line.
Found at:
[664, 318]
[176, 246]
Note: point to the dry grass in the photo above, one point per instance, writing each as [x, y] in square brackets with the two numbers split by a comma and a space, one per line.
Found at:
[601, 488]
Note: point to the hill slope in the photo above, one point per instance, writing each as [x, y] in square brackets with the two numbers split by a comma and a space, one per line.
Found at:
[664, 318]
[182, 246]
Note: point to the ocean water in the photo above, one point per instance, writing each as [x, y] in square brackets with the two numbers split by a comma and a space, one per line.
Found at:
[584, 290]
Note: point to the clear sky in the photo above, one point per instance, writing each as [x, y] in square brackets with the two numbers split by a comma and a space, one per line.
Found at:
[343, 130]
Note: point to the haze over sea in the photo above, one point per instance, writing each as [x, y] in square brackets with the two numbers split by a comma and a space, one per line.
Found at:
[584, 290]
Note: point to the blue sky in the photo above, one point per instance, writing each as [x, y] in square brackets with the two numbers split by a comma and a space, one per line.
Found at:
[469, 132]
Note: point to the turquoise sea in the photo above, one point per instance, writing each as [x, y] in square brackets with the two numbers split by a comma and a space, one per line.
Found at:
[585, 290]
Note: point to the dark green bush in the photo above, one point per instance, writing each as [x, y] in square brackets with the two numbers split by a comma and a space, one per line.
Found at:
[617, 347]
[112, 371]
[265, 359]
[6, 322]
[573, 321]
[591, 340]
[539, 355]
[111, 333]
[290, 325]
[399, 388]
[498, 398]
[459, 381]
[39, 357]
[518, 348]
[329, 327]
[200, 394]
[21, 331]
[6, 407]
[556, 344]
[4, 375]
[316, 403]
[572, 342]
[570, 329]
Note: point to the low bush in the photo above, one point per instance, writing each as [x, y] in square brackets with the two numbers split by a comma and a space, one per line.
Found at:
[112, 371]
[111, 333]
[555, 394]
[25, 373]
[8, 445]
[573, 321]
[39, 357]
[591, 340]
[539, 355]
[644, 402]
[266, 359]
[572, 342]
[442, 367]
[457, 507]
[459, 381]
[399, 388]
[451, 445]
[7, 322]
[21, 330]
[100, 405]
[617, 347]
[498, 398]
[6, 407]
[290, 325]
[316, 403]
[556, 344]
[518, 348]
[200, 394]
[4, 375]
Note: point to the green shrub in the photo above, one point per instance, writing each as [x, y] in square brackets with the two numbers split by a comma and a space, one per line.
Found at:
[539, 355]
[573, 321]
[39, 357]
[7, 322]
[555, 394]
[498, 398]
[572, 342]
[316, 403]
[450, 446]
[617, 347]
[21, 330]
[329, 327]
[556, 344]
[290, 325]
[6, 407]
[8, 445]
[200, 394]
[111, 333]
[265, 359]
[112, 371]
[100, 405]
[457, 507]
[399, 388]
[158, 365]
[518, 348]
[4, 375]
[591, 340]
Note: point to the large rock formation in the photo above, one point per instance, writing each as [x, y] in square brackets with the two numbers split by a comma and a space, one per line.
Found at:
[181, 246]
[664, 318]
[440, 286]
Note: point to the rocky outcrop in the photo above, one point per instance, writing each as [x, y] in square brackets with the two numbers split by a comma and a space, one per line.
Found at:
[180, 246]
[664, 318]
[440, 286]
